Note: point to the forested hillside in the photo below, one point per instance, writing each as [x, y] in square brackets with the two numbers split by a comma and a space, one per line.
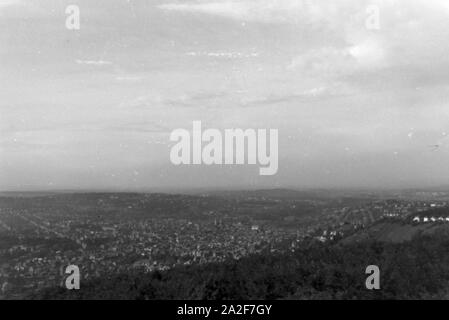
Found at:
[409, 270]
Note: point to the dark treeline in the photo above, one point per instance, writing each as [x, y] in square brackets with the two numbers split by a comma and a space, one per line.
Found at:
[418, 269]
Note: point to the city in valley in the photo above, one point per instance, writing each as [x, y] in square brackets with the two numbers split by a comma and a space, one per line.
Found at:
[112, 233]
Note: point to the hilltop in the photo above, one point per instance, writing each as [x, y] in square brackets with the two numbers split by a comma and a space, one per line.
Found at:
[398, 231]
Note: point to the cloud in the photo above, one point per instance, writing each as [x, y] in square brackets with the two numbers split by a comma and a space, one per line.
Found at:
[93, 62]
[306, 96]
[336, 61]
[191, 99]
[6, 3]
[261, 10]
[309, 67]
[300, 10]
[128, 78]
[228, 55]
[368, 53]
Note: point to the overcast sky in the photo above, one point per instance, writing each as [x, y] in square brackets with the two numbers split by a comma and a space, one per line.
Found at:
[94, 108]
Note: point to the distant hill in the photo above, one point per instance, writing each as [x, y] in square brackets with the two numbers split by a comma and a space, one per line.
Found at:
[292, 194]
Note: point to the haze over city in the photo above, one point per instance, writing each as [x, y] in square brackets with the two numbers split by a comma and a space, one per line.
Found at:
[93, 108]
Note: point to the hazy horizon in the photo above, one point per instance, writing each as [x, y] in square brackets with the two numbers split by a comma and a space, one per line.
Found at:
[196, 190]
[92, 109]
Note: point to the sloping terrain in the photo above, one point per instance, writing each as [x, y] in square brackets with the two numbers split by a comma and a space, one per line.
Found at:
[397, 231]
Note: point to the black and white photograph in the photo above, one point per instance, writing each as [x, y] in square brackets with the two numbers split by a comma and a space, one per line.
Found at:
[240, 152]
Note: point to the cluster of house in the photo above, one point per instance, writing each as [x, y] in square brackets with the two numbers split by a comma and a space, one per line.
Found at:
[418, 219]
[327, 235]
